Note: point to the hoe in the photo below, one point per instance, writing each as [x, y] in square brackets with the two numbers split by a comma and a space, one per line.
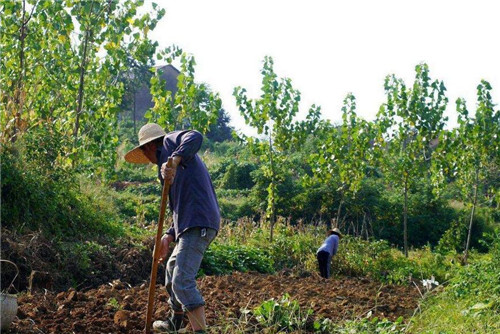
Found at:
[156, 252]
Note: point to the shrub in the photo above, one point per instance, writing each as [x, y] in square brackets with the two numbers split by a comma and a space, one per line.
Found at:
[291, 247]
[237, 176]
[234, 204]
[41, 195]
[225, 258]
[455, 237]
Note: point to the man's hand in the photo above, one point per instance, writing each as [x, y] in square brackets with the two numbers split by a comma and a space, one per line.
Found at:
[165, 246]
[168, 173]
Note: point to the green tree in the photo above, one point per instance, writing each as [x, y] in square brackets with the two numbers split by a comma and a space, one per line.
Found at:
[194, 105]
[30, 33]
[407, 124]
[474, 151]
[61, 62]
[272, 115]
[313, 127]
[345, 154]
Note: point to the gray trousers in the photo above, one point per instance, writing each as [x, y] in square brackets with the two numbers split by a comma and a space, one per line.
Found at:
[182, 267]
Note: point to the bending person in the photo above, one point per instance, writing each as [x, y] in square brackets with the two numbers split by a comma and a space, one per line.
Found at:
[327, 250]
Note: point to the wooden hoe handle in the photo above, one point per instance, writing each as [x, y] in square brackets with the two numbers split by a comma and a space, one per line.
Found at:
[156, 252]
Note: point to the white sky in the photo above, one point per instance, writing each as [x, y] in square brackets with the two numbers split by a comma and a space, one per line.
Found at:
[330, 48]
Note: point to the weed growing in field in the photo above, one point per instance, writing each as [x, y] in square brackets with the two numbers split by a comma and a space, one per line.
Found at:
[282, 315]
[114, 303]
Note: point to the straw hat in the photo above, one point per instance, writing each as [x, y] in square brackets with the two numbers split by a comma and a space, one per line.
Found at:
[147, 133]
[336, 231]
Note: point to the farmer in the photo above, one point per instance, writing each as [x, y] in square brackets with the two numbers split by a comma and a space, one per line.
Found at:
[196, 217]
[327, 250]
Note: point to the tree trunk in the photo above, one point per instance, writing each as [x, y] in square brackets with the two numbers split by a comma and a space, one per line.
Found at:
[134, 114]
[18, 93]
[83, 69]
[83, 66]
[365, 226]
[272, 187]
[371, 228]
[474, 202]
[339, 209]
[405, 218]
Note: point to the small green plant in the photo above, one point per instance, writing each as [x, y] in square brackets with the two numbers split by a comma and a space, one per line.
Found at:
[282, 315]
[114, 303]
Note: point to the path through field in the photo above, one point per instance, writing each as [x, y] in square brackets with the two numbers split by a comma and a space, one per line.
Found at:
[119, 308]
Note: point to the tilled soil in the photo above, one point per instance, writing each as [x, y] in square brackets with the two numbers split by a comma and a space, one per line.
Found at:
[120, 308]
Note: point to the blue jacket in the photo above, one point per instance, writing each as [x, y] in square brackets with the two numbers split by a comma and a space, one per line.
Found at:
[192, 198]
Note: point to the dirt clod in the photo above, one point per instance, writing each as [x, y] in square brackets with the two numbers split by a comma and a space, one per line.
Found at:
[71, 297]
[121, 318]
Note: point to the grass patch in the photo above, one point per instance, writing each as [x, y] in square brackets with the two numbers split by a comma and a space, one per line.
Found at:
[470, 303]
